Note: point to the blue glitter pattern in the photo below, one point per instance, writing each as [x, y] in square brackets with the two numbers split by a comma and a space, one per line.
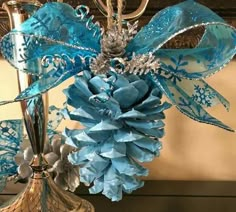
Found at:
[10, 139]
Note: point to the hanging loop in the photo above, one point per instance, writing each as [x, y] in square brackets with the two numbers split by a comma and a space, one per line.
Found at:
[128, 17]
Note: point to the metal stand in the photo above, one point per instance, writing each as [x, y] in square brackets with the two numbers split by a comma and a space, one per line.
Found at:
[41, 193]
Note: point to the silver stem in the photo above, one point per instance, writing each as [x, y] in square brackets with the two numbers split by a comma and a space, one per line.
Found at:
[34, 110]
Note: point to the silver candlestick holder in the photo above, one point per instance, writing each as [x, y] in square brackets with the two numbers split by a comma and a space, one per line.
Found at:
[41, 193]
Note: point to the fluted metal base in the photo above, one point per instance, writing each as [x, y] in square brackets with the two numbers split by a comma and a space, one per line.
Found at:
[43, 195]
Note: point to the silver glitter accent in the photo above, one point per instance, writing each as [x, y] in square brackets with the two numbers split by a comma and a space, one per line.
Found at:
[132, 30]
[113, 44]
[99, 65]
[141, 64]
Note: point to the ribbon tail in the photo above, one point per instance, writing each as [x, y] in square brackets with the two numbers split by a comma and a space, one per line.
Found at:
[45, 83]
[185, 104]
[199, 91]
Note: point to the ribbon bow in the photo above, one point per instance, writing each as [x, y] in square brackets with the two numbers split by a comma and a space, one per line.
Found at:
[57, 45]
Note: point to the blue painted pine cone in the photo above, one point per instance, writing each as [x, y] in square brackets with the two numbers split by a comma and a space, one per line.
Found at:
[122, 118]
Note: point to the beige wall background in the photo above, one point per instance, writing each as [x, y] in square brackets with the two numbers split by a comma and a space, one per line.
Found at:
[191, 151]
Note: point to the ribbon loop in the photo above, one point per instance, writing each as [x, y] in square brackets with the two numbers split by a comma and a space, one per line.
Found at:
[216, 48]
[59, 34]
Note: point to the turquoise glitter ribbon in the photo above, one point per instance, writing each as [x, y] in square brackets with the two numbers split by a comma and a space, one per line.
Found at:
[10, 140]
[60, 44]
